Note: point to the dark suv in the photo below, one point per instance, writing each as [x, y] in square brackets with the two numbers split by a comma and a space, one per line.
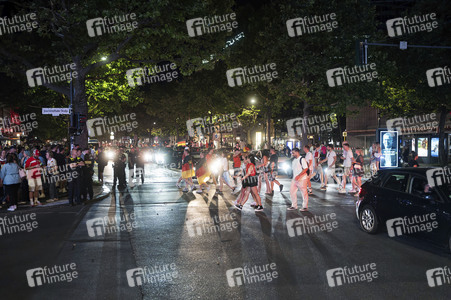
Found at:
[403, 202]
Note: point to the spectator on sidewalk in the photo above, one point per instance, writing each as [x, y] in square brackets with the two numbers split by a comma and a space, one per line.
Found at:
[86, 176]
[52, 172]
[75, 163]
[413, 160]
[33, 167]
[9, 175]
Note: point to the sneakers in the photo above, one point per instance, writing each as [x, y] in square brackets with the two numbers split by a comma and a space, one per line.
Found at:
[342, 191]
[42, 195]
[37, 202]
[12, 208]
[191, 188]
[31, 203]
[208, 189]
[259, 208]
[310, 191]
[185, 190]
[281, 187]
[199, 191]
[323, 188]
[291, 208]
[178, 185]
[254, 204]
[304, 209]
[352, 191]
[240, 207]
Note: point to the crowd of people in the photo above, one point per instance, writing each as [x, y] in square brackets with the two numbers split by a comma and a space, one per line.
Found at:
[250, 171]
[28, 174]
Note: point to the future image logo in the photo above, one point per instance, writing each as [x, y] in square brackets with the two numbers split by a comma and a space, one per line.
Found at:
[348, 275]
[106, 125]
[200, 26]
[411, 225]
[311, 24]
[253, 74]
[99, 26]
[158, 273]
[438, 276]
[439, 176]
[438, 76]
[254, 274]
[41, 76]
[410, 25]
[340, 76]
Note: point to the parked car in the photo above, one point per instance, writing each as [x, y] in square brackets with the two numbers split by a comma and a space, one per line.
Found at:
[405, 193]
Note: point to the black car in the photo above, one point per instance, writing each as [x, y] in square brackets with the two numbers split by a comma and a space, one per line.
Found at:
[403, 202]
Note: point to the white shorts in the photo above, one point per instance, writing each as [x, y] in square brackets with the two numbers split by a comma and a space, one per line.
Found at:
[35, 184]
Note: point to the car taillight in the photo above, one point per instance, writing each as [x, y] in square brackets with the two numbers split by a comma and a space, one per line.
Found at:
[362, 193]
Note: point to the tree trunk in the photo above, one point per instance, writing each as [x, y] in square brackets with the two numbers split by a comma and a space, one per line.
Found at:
[443, 155]
[80, 105]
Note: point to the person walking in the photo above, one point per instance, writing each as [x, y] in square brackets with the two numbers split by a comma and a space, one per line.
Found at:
[202, 173]
[187, 171]
[274, 165]
[250, 182]
[178, 184]
[225, 176]
[299, 182]
[236, 165]
[317, 167]
[264, 167]
[309, 159]
[331, 158]
[102, 162]
[357, 172]
[347, 163]
[9, 175]
[131, 166]
[140, 162]
[210, 161]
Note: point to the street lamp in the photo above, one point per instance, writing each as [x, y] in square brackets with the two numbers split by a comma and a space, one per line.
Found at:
[253, 101]
[103, 58]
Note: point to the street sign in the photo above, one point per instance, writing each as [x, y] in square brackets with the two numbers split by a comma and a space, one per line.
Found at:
[403, 45]
[56, 111]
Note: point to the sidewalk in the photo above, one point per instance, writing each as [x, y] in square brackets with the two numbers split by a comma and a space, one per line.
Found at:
[100, 193]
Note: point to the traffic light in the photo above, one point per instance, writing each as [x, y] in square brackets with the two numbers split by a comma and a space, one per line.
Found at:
[361, 51]
[78, 123]
[82, 118]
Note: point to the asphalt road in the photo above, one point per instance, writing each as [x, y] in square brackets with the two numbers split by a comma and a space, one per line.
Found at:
[197, 246]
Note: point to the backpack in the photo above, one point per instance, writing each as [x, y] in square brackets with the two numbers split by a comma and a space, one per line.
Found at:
[300, 161]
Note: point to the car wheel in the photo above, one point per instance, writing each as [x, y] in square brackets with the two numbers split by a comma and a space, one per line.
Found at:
[368, 220]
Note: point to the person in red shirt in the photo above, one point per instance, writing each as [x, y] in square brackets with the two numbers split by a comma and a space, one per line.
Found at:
[250, 182]
[33, 167]
[236, 164]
